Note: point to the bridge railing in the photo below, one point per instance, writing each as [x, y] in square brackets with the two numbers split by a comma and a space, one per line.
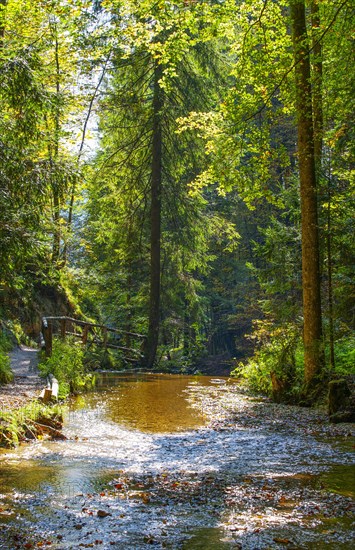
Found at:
[92, 334]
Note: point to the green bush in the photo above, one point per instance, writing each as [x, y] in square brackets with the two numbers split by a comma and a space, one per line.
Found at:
[256, 373]
[67, 365]
[28, 422]
[5, 342]
[344, 351]
[6, 374]
[13, 334]
[275, 368]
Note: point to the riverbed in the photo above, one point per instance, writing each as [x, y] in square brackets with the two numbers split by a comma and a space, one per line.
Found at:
[181, 462]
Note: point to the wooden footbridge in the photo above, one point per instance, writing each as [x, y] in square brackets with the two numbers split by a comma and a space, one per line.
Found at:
[130, 344]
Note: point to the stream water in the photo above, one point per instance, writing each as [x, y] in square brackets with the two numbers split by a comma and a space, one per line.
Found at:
[143, 466]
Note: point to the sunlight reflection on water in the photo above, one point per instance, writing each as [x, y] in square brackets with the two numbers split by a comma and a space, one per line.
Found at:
[133, 429]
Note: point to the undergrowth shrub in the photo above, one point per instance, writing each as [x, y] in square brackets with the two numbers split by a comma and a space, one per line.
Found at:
[97, 358]
[14, 335]
[275, 368]
[344, 351]
[67, 365]
[6, 374]
[5, 343]
[28, 422]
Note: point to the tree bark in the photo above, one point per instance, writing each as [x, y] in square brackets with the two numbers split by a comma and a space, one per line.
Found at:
[155, 224]
[55, 185]
[317, 86]
[312, 331]
[317, 82]
[330, 281]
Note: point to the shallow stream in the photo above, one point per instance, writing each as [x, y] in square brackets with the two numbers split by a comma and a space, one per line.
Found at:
[143, 465]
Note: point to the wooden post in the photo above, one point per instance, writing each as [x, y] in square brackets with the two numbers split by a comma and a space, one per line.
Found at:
[63, 326]
[54, 386]
[48, 336]
[49, 344]
[51, 391]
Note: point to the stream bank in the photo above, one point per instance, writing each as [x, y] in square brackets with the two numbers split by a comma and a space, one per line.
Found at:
[202, 465]
[22, 417]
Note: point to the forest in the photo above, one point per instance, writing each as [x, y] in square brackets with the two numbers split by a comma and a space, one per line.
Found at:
[184, 170]
[177, 305]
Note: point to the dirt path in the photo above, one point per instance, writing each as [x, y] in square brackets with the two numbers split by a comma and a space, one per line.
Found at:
[26, 384]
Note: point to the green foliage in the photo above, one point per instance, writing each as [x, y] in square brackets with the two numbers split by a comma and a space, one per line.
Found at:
[67, 365]
[173, 360]
[345, 355]
[28, 422]
[274, 369]
[14, 335]
[5, 343]
[99, 358]
[6, 374]
[230, 231]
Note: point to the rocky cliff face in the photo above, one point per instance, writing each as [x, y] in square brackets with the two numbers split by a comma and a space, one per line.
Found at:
[29, 308]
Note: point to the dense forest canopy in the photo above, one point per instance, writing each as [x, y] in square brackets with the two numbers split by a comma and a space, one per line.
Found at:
[184, 169]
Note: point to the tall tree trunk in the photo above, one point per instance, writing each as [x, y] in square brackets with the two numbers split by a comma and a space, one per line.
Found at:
[312, 331]
[330, 279]
[317, 79]
[155, 224]
[186, 329]
[55, 185]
